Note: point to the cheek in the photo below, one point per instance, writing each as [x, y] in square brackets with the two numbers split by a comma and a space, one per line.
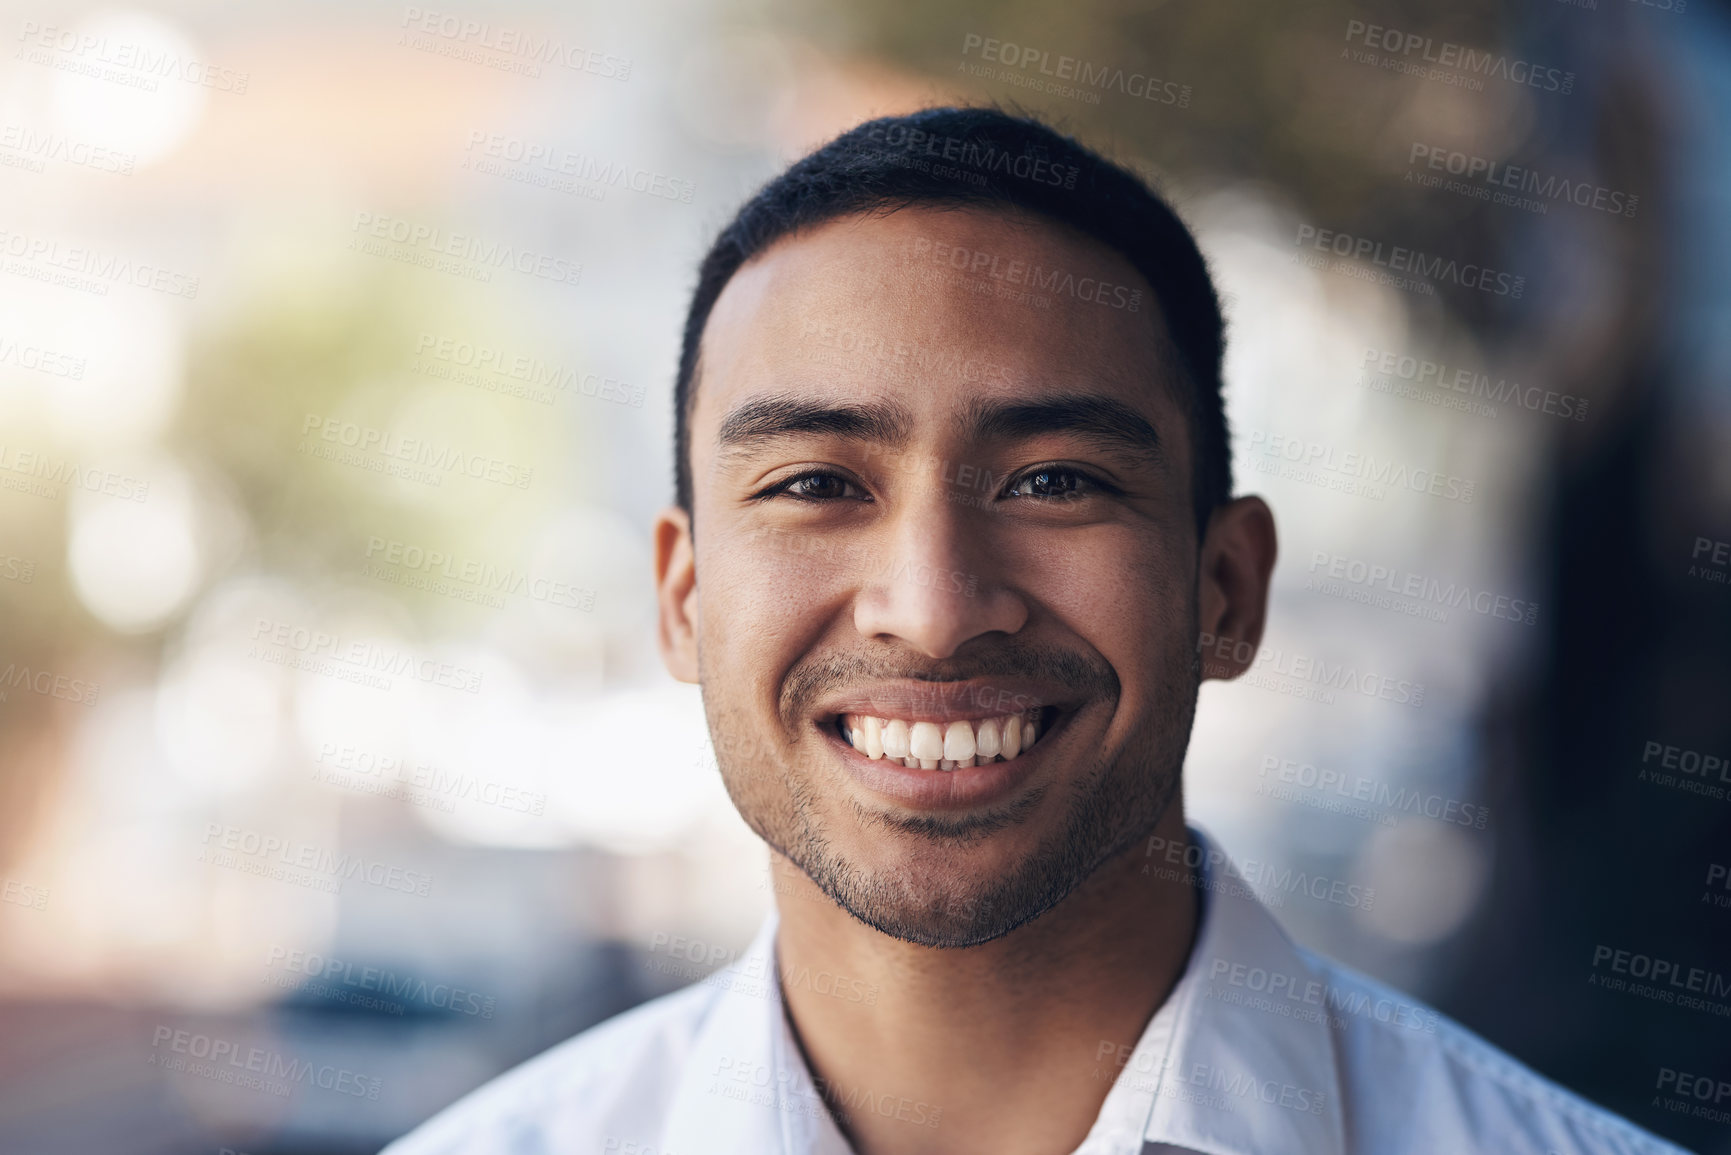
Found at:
[1119, 592]
[762, 603]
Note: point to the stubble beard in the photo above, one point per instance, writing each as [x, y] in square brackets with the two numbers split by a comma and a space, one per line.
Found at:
[934, 901]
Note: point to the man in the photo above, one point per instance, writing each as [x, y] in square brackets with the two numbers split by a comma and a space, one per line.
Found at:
[954, 547]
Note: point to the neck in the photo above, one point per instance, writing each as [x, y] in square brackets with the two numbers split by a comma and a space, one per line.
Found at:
[992, 1048]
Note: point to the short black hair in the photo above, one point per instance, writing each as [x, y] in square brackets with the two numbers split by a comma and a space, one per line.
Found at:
[986, 158]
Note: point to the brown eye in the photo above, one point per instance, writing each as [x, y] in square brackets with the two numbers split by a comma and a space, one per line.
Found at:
[1051, 484]
[817, 487]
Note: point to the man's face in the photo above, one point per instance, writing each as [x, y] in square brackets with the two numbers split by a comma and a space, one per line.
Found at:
[936, 489]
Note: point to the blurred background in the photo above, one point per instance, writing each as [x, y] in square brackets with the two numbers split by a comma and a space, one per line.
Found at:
[336, 349]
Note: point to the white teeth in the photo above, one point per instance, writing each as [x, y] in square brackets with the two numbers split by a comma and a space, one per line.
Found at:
[942, 746]
[986, 743]
[872, 731]
[895, 739]
[926, 741]
[959, 741]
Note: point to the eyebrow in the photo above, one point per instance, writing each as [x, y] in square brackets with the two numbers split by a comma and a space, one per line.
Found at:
[761, 419]
[1107, 422]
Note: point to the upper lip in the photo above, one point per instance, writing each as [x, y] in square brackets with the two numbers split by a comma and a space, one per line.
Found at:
[969, 700]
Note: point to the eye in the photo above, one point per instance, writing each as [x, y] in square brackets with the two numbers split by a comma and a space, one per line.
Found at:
[818, 485]
[1055, 483]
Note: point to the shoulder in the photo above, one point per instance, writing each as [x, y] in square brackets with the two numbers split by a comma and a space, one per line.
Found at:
[605, 1086]
[1412, 1075]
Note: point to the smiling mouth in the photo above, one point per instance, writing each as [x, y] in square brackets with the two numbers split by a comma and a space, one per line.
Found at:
[952, 745]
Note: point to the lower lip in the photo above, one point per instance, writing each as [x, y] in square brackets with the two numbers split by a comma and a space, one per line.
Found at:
[960, 789]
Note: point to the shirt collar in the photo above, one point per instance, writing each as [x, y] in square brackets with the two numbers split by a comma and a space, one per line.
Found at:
[744, 1087]
[1238, 1059]
[1246, 1061]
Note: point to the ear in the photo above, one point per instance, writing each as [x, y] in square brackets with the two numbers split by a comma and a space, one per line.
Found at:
[676, 593]
[1232, 597]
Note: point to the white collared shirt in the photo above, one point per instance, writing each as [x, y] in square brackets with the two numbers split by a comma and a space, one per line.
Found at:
[1261, 1048]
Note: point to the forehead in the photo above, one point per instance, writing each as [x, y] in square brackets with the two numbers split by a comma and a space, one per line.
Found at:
[936, 308]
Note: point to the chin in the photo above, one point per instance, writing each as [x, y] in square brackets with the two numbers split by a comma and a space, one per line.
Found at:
[959, 893]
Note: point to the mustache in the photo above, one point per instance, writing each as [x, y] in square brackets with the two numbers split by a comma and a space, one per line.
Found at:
[812, 679]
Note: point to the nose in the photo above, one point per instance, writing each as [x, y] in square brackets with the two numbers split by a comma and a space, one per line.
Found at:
[934, 580]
